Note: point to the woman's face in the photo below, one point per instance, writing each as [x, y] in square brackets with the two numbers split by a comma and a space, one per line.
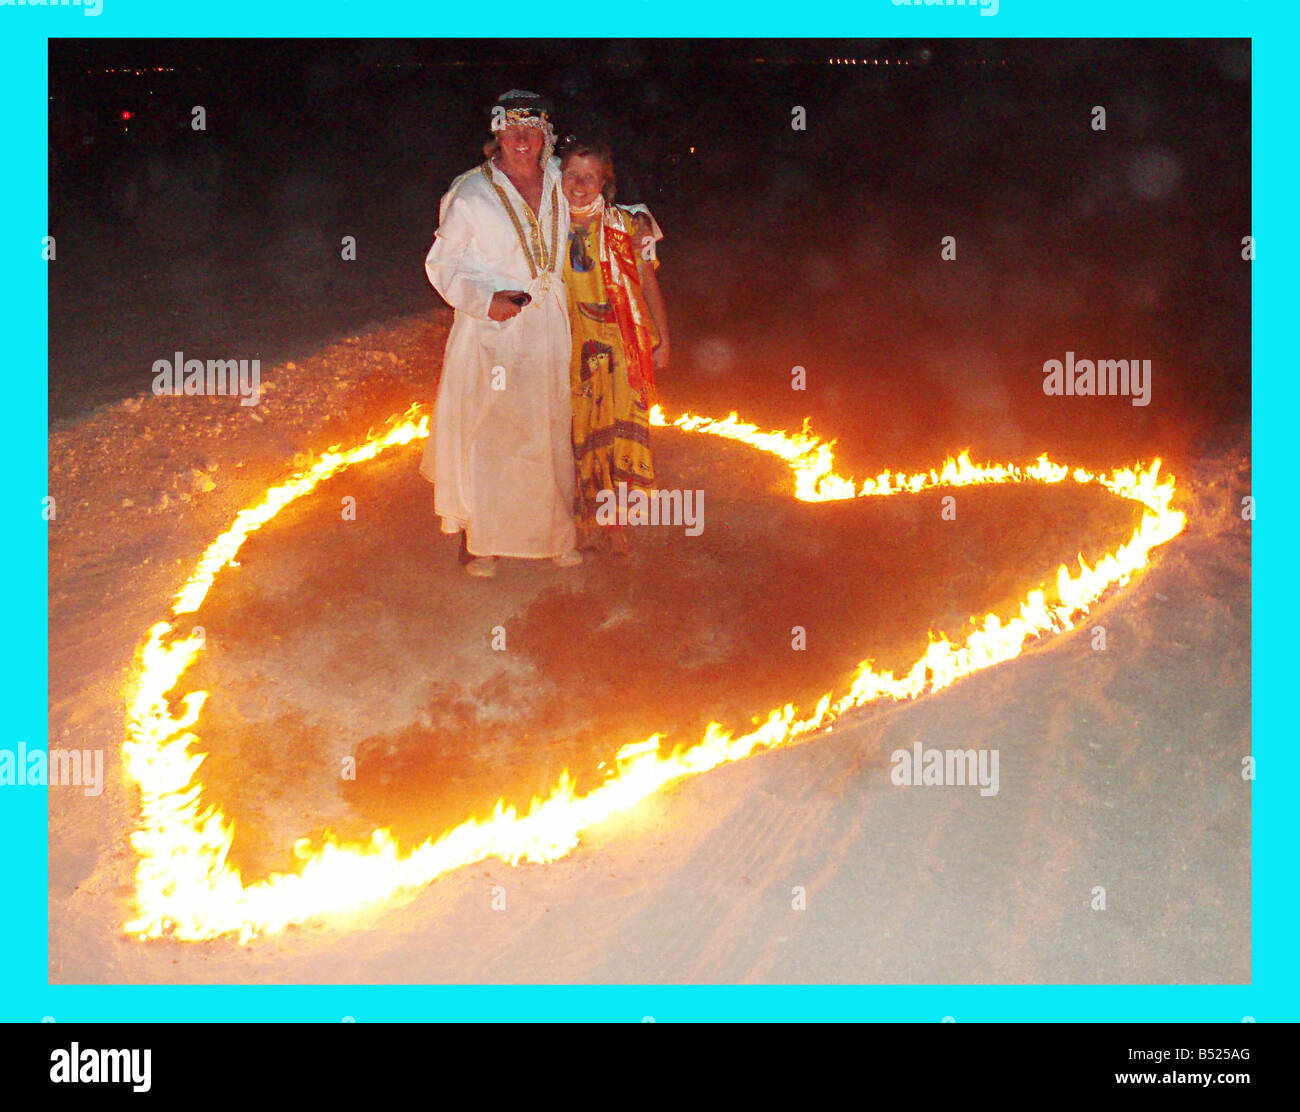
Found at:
[521, 147]
[582, 180]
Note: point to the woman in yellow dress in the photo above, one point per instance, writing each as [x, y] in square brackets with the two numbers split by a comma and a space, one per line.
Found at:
[620, 338]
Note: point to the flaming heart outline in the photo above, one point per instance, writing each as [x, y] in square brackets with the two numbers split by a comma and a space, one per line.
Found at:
[184, 885]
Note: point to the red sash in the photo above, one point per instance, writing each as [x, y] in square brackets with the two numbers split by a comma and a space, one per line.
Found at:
[635, 332]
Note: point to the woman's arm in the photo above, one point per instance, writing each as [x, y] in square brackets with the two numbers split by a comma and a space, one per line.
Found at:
[653, 295]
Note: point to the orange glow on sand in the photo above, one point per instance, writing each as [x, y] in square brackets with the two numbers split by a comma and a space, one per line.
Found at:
[186, 889]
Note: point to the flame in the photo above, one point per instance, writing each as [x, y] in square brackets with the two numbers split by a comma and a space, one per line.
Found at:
[185, 886]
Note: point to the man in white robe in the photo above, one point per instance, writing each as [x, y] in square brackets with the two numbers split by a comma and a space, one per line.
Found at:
[500, 450]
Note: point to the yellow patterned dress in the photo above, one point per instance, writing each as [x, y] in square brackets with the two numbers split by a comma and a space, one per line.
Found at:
[611, 420]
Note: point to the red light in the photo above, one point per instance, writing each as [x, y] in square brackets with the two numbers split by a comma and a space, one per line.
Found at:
[126, 115]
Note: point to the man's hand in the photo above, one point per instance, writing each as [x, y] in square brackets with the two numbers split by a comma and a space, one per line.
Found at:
[502, 308]
[661, 356]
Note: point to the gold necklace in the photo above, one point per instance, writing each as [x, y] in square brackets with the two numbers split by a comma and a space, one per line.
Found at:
[539, 256]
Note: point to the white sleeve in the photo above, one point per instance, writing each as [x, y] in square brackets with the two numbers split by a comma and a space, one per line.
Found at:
[455, 266]
[655, 231]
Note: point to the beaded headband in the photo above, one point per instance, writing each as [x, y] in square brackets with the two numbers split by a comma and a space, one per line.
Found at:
[509, 112]
[528, 117]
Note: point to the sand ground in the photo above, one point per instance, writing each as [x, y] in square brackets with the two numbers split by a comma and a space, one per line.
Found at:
[1118, 768]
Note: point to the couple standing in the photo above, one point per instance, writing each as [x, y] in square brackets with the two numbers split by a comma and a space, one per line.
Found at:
[549, 370]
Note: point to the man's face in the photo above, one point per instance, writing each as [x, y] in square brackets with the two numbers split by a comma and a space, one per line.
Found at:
[582, 180]
[521, 146]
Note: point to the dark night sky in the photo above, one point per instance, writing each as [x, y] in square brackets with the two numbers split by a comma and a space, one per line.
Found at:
[781, 244]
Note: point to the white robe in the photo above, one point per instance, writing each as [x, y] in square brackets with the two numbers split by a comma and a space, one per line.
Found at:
[501, 460]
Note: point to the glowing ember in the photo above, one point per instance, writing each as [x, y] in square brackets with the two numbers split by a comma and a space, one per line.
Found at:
[186, 888]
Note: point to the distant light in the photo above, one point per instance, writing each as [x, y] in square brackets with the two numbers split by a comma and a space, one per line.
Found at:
[126, 115]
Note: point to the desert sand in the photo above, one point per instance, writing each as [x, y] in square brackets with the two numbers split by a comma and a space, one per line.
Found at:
[334, 639]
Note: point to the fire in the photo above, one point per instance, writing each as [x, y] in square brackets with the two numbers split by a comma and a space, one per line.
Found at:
[185, 886]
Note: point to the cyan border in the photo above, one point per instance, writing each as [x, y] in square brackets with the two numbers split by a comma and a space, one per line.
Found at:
[25, 994]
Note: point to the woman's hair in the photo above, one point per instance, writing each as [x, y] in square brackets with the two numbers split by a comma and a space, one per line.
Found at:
[582, 148]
